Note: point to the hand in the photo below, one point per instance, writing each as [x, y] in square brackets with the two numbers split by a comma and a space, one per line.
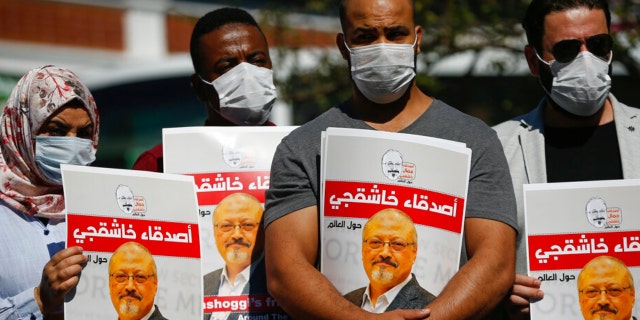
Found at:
[525, 290]
[59, 276]
[399, 314]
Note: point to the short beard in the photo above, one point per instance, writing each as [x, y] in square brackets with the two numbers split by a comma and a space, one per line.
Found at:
[128, 308]
[382, 275]
[236, 256]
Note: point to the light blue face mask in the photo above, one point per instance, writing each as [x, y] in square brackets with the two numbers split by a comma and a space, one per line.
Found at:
[51, 152]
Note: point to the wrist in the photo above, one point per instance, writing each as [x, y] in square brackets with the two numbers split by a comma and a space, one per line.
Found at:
[46, 313]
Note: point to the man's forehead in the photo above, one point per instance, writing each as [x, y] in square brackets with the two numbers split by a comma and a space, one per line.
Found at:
[574, 23]
[123, 190]
[366, 14]
[231, 39]
[238, 210]
[132, 262]
[605, 271]
[388, 222]
[238, 213]
[392, 155]
[596, 204]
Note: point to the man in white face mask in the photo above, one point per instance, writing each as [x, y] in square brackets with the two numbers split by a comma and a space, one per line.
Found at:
[233, 76]
[380, 41]
[578, 131]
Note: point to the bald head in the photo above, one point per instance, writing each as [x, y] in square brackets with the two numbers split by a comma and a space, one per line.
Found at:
[238, 201]
[604, 264]
[347, 6]
[391, 219]
[131, 251]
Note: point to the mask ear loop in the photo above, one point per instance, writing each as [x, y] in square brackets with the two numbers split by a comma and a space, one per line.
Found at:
[203, 80]
[553, 61]
[415, 39]
[539, 78]
[542, 60]
[610, 57]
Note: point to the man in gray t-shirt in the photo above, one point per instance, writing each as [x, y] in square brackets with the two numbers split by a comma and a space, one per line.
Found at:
[380, 41]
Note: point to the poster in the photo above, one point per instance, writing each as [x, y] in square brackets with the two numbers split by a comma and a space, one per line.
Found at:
[593, 226]
[395, 195]
[139, 230]
[231, 168]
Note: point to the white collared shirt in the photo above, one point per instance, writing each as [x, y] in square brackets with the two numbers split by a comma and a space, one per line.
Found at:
[384, 300]
[227, 288]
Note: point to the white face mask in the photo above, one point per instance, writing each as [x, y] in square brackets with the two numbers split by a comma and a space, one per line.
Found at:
[51, 152]
[246, 94]
[582, 85]
[383, 72]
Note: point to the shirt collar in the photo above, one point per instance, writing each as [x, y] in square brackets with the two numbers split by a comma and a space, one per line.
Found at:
[243, 277]
[385, 299]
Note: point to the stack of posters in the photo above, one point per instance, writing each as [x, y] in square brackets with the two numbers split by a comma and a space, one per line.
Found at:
[140, 232]
[416, 186]
[580, 236]
[231, 168]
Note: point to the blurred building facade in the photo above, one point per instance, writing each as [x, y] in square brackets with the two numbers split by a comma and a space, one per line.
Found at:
[133, 55]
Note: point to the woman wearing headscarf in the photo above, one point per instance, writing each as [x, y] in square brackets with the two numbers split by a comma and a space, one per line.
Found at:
[49, 119]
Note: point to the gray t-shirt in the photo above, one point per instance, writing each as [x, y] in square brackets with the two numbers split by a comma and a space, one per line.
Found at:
[295, 170]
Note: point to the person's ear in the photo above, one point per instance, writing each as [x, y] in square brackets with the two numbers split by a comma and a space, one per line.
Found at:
[340, 42]
[198, 87]
[532, 60]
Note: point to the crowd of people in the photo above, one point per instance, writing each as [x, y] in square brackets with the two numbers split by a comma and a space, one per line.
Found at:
[577, 132]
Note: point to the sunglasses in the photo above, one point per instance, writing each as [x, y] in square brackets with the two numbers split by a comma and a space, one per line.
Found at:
[566, 50]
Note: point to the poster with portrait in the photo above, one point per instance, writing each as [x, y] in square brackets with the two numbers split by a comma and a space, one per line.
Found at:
[392, 210]
[231, 168]
[140, 232]
[583, 244]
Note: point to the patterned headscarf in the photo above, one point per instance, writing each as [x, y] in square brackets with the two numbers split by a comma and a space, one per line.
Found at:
[39, 94]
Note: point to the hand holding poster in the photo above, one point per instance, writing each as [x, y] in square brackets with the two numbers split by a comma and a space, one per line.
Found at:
[231, 168]
[392, 214]
[583, 244]
[140, 233]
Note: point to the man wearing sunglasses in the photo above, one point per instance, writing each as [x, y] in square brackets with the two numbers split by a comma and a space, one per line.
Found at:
[579, 131]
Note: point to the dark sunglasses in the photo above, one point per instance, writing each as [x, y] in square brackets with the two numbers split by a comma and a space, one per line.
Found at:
[566, 50]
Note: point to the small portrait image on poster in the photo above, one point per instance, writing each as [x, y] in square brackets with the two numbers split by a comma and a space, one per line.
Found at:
[124, 195]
